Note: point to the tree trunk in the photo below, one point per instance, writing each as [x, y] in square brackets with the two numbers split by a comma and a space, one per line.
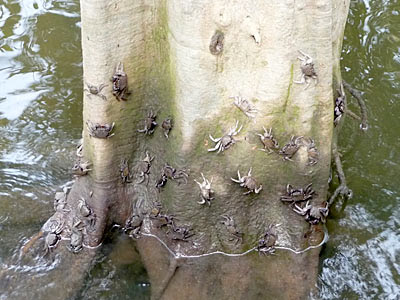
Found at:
[184, 60]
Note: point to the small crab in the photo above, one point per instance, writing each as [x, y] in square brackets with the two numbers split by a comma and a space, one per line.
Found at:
[245, 106]
[206, 191]
[172, 173]
[79, 149]
[133, 226]
[94, 90]
[60, 200]
[340, 106]
[268, 141]
[248, 182]
[120, 83]
[156, 210]
[167, 126]
[231, 228]
[101, 131]
[53, 236]
[76, 238]
[163, 220]
[307, 69]
[81, 168]
[290, 148]
[227, 140]
[143, 168]
[180, 233]
[149, 123]
[297, 195]
[313, 214]
[86, 212]
[313, 153]
[83, 208]
[266, 245]
[161, 182]
[124, 171]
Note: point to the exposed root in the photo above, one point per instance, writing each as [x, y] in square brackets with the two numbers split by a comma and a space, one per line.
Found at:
[353, 115]
[363, 108]
[173, 265]
[31, 242]
[342, 189]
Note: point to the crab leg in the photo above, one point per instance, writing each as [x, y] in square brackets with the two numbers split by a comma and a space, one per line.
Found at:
[213, 139]
[258, 190]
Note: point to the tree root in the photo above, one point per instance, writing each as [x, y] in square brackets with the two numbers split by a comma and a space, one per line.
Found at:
[342, 189]
[173, 266]
[363, 108]
[353, 115]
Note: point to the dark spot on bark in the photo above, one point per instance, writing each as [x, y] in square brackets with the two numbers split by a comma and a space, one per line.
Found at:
[217, 43]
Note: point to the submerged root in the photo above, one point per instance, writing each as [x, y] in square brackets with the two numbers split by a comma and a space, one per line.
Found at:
[361, 103]
[342, 189]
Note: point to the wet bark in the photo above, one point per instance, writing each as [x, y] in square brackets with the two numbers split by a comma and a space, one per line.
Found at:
[184, 60]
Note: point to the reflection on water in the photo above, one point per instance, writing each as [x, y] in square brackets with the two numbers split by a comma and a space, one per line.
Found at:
[40, 124]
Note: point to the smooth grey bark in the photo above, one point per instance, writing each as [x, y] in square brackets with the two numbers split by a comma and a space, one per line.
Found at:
[172, 70]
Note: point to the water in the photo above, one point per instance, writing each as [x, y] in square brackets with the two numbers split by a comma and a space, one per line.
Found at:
[41, 122]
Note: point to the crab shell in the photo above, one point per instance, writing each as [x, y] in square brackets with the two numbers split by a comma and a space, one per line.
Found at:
[102, 131]
[308, 69]
[249, 183]
[269, 142]
[227, 141]
[206, 193]
[76, 241]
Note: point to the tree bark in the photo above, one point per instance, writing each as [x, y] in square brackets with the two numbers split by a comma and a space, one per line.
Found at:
[184, 60]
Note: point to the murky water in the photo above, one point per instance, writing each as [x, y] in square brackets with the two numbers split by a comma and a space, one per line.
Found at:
[41, 122]
[362, 258]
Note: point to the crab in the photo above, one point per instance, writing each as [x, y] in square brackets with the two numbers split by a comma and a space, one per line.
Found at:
[163, 220]
[79, 149]
[268, 141]
[94, 90]
[167, 126]
[156, 210]
[76, 238]
[143, 168]
[313, 153]
[86, 212]
[227, 140]
[124, 171]
[206, 191]
[297, 195]
[81, 168]
[133, 226]
[53, 236]
[266, 245]
[245, 106]
[290, 148]
[161, 182]
[180, 233]
[149, 123]
[100, 131]
[340, 106]
[120, 83]
[248, 182]
[228, 221]
[313, 214]
[307, 69]
[171, 173]
[60, 201]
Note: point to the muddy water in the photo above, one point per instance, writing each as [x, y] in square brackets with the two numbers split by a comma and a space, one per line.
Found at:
[41, 122]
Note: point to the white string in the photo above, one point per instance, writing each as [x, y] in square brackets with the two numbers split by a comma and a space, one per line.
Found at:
[178, 255]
